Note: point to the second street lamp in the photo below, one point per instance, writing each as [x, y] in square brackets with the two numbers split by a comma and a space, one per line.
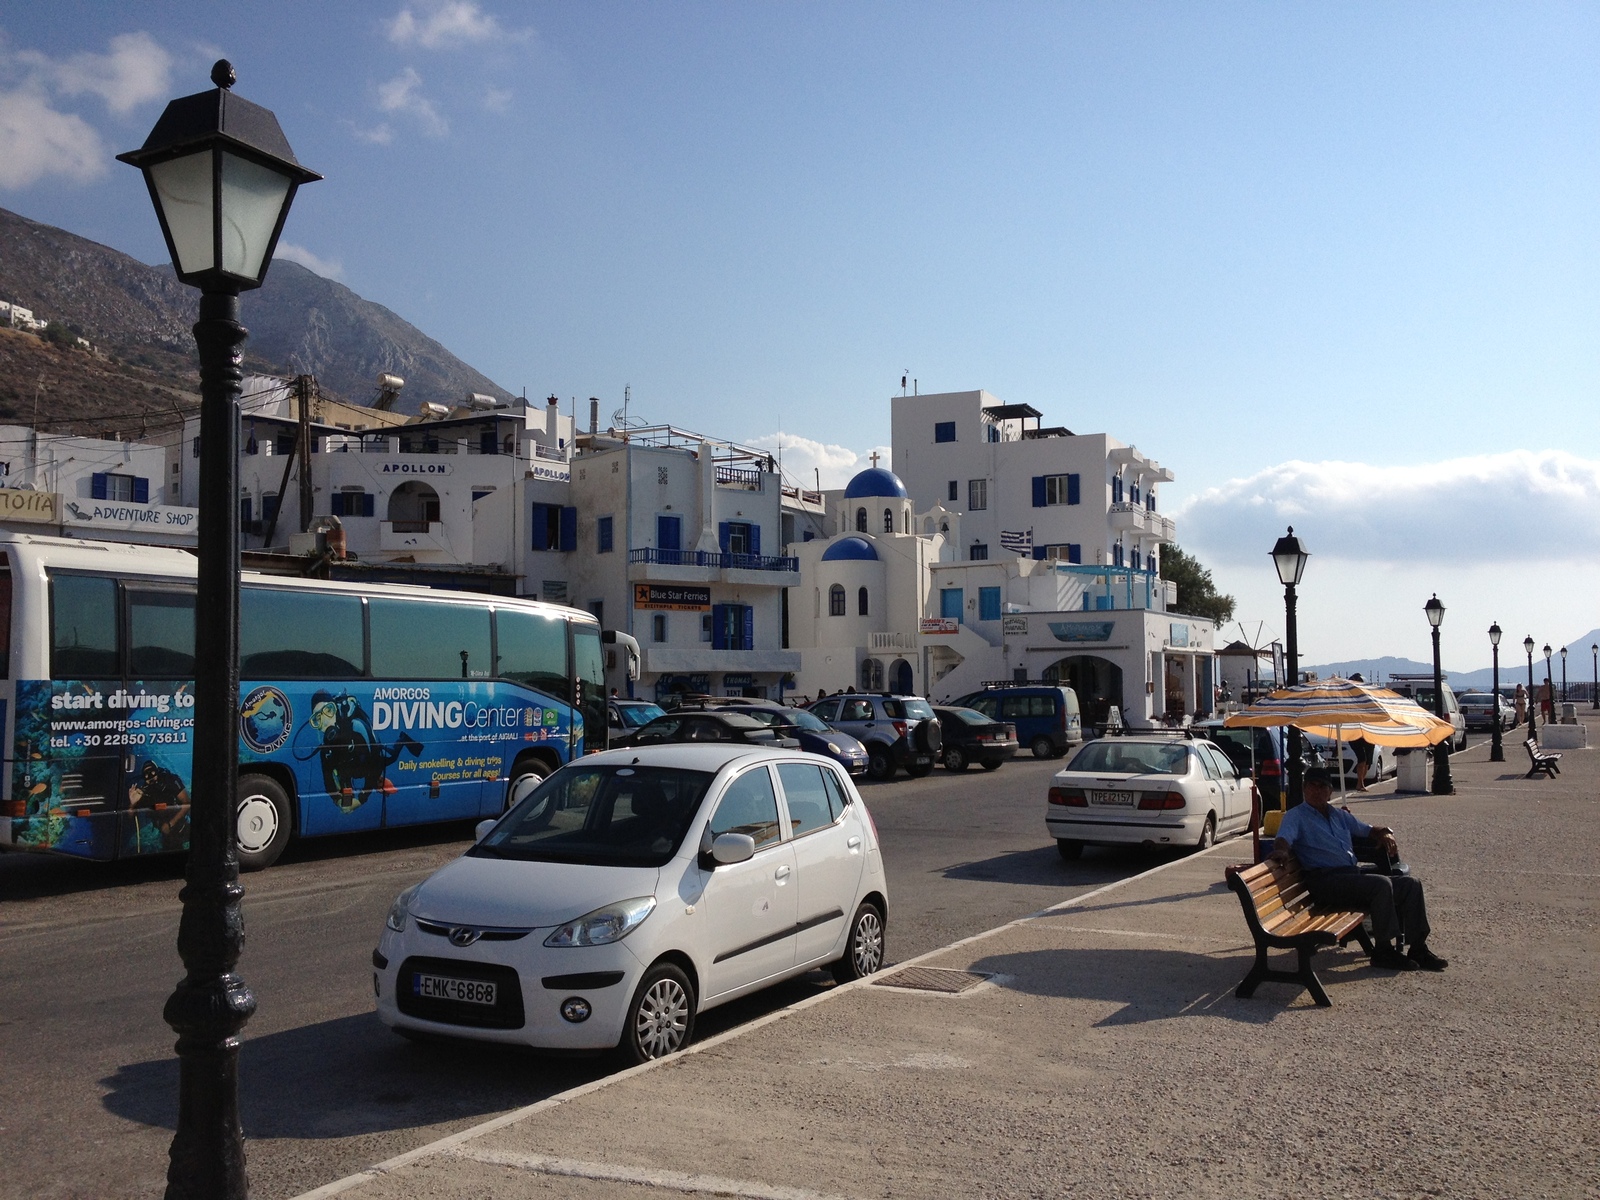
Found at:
[1594, 649]
[1533, 701]
[1549, 686]
[1497, 751]
[1563, 674]
[1289, 557]
[221, 176]
[1442, 784]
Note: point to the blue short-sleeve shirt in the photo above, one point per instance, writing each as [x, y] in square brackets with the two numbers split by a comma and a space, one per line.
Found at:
[1322, 839]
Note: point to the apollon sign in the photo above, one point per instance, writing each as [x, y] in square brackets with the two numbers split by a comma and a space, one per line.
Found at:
[17, 504]
[415, 468]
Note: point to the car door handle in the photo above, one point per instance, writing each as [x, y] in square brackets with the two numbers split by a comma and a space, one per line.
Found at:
[854, 843]
[781, 874]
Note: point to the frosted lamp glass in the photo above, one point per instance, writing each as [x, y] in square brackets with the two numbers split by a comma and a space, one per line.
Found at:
[252, 199]
[183, 187]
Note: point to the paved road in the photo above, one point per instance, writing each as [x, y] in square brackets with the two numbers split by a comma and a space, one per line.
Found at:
[87, 959]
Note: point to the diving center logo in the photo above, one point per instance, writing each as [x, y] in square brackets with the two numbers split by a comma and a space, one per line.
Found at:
[265, 720]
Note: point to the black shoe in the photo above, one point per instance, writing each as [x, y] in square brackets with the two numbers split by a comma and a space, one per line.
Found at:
[1426, 959]
[1386, 958]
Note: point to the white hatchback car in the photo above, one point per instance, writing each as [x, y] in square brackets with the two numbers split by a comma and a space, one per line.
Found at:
[1156, 791]
[632, 890]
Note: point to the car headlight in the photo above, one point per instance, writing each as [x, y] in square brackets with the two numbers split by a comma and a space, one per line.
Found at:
[401, 909]
[604, 925]
[835, 747]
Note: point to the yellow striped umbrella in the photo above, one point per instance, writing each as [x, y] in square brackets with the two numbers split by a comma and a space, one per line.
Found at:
[1340, 709]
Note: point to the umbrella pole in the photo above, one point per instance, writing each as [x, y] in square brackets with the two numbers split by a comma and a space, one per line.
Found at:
[1338, 757]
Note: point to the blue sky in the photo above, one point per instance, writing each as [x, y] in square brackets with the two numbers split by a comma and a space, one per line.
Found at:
[1332, 264]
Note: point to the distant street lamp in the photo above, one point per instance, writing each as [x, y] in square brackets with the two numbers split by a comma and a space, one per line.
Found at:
[1549, 685]
[1594, 649]
[1289, 557]
[1442, 784]
[1563, 674]
[1497, 751]
[221, 176]
[1533, 701]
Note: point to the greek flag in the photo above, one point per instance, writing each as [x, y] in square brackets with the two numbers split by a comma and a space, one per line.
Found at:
[1018, 541]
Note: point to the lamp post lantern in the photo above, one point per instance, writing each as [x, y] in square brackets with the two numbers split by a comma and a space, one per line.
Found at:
[1289, 557]
[1549, 685]
[1442, 783]
[1533, 701]
[222, 177]
[1497, 751]
[1563, 674]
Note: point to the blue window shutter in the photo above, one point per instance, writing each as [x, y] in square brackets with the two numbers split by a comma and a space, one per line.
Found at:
[1072, 489]
[724, 535]
[336, 504]
[719, 626]
[1039, 552]
[97, 485]
[569, 528]
[245, 507]
[1038, 491]
[667, 533]
[194, 448]
[539, 527]
[141, 490]
[366, 504]
[1074, 552]
[748, 640]
[755, 538]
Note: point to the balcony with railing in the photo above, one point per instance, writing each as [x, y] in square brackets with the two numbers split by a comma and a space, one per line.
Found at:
[712, 560]
[744, 478]
[1127, 517]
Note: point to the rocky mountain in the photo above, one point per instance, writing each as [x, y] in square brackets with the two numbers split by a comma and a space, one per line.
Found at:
[138, 317]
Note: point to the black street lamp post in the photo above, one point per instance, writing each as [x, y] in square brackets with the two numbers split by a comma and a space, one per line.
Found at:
[1533, 700]
[1594, 649]
[221, 176]
[1497, 752]
[1549, 685]
[1442, 783]
[1563, 674]
[1289, 556]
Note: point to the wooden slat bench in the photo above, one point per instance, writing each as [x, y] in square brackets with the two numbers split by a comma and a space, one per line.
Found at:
[1281, 916]
[1541, 760]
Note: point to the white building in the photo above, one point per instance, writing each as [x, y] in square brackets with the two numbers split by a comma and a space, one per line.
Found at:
[88, 487]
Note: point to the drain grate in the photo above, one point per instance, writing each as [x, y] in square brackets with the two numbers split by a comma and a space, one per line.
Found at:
[932, 979]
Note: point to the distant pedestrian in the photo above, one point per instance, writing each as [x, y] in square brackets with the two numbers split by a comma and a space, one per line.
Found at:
[1522, 705]
[1544, 701]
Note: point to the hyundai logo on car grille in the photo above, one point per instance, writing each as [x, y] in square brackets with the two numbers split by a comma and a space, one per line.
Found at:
[464, 935]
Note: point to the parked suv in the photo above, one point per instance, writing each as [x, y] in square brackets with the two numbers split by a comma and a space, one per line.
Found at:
[1047, 718]
[1420, 689]
[898, 731]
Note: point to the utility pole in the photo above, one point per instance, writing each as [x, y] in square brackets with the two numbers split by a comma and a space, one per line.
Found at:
[302, 386]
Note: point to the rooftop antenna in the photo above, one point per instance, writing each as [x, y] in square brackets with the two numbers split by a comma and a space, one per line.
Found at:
[817, 471]
[903, 375]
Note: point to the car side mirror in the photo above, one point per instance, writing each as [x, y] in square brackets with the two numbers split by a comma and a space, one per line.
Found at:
[481, 830]
[730, 848]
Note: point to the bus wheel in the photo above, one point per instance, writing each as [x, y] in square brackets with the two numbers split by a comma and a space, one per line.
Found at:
[263, 822]
[525, 776]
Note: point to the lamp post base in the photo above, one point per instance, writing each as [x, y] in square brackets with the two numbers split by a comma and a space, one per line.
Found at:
[1443, 785]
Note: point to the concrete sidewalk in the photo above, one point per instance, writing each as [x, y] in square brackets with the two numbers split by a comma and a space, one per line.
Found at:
[1107, 1055]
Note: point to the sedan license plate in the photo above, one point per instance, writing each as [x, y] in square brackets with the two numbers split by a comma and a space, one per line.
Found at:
[466, 991]
[1122, 798]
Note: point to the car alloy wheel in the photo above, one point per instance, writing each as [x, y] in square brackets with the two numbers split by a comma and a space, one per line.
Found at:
[863, 950]
[1208, 834]
[661, 1017]
[954, 759]
[879, 765]
[1043, 747]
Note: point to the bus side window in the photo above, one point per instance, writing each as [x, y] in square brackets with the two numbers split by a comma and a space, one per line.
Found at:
[417, 640]
[5, 623]
[83, 627]
[298, 635]
[160, 634]
[533, 652]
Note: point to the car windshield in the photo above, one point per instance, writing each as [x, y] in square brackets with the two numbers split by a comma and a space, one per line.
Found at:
[635, 715]
[967, 716]
[633, 816]
[1132, 758]
[1477, 698]
[917, 710]
[805, 720]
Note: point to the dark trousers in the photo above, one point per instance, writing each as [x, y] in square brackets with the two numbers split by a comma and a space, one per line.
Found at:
[1394, 902]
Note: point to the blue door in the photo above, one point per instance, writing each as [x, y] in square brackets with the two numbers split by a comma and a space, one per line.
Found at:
[669, 533]
[951, 602]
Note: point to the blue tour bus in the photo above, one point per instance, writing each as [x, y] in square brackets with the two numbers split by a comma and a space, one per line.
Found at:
[361, 706]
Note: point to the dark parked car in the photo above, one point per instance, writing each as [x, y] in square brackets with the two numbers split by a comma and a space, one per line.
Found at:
[812, 732]
[1046, 717]
[1267, 765]
[711, 727]
[971, 737]
[898, 731]
[627, 717]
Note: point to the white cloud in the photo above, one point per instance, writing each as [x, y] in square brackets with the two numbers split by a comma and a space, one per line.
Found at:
[804, 459]
[37, 141]
[329, 268]
[441, 26]
[136, 70]
[380, 134]
[497, 99]
[1518, 506]
[402, 94]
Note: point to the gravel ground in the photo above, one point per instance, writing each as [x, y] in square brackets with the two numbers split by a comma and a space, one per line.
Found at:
[1109, 1057]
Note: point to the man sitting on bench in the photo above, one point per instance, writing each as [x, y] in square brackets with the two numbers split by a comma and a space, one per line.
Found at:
[1320, 837]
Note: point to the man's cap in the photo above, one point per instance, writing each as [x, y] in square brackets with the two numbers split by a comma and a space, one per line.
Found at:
[1319, 775]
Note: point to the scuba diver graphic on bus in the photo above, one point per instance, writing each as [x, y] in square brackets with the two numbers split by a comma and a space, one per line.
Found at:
[159, 803]
[354, 762]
